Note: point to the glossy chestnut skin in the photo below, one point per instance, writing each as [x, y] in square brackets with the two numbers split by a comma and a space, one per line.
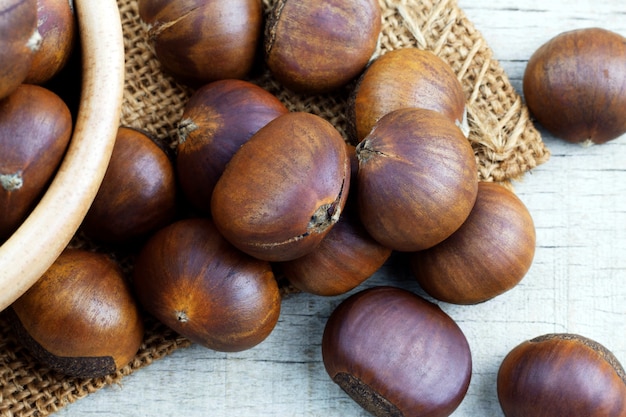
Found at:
[575, 85]
[488, 255]
[199, 41]
[397, 354]
[316, 47]
[561, 375]
[35, 129]
[138, 192]
[407, 77]
[218, 118]
[19, 41]
[80, 318]
[284, 189]
[58, 28]
[199, 285]
[417, 179]
[345, 258]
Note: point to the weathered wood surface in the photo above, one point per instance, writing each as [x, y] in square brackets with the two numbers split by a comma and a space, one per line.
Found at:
[576, 284]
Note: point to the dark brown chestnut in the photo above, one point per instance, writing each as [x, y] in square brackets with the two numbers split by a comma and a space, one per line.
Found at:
[284, 189]
[80, 318]
[561, 374]
[35, 129]
[138, 192]
[345, 258]
[19, 41]
[199, 41]
[317, 47]
[489, 254]
[218, 118]
[58, 28]
[397, 354]
[417, 179]
[575, 85]
[407, 77]
[195, 282]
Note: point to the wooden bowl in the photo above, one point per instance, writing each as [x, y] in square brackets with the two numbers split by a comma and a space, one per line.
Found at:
[28, 253]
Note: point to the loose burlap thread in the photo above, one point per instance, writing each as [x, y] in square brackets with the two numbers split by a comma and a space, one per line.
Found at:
[505, 142]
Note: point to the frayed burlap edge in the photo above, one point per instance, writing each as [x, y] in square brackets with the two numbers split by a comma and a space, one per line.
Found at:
[505, 142]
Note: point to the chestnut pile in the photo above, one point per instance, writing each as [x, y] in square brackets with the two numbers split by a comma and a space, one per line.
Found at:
[255, 194]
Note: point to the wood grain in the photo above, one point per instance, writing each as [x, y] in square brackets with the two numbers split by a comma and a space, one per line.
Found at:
[577, 282]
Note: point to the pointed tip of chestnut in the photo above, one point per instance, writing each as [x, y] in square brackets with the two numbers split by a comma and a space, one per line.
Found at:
[561, 374]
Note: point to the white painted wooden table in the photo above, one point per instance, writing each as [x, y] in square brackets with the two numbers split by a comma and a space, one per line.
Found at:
[576, 284]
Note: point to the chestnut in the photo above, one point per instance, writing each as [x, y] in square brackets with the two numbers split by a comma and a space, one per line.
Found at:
[407, 77]
[397, 354]
[417, 179]
[199, 41]
[561, 374]
[217, 119]
[284, 189]
[19, 41]
[345, 258]
[58, 28]
[80, 318]
[316, 47]
[489, 254]
[575, 85]
[138, 192]
[199, 285]
[35, 130]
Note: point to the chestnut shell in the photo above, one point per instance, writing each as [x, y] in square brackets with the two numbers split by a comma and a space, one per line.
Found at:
[407, 77]
[81, 318]
[317, 47]
[575, 85]
[218, 118]
[397, 354]
[58, 28]
[199, 41]
[561, 375]
[138, 192]
[191, 279]
[345, 258]
[488, 255]
[19, 41]
[284, 188]
[35, 130]
[417, 179]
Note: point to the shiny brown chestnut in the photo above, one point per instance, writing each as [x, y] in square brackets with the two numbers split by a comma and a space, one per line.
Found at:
[195, 282]
[488, 255]
[58, 28]
[199, 41]
[80, 318]
[138, 192]
[575, 85]
[417, 179]
[561, 374]
[35, 130]
[407, 77]
[345, 258]
[397, 354]
[19, 41]
[317, 47]
[284, 189]
[218, 118]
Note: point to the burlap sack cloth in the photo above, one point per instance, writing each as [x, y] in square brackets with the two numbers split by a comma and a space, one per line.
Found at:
[505, 142]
